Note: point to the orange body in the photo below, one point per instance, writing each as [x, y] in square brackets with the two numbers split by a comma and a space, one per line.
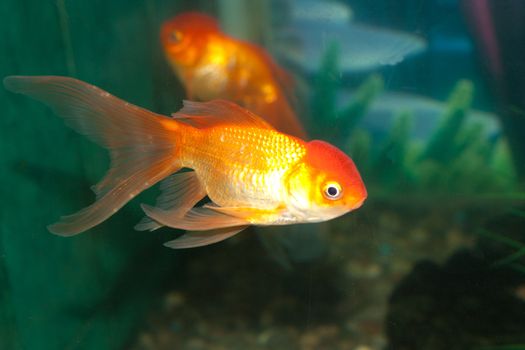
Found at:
[212, 65]
[252, 173]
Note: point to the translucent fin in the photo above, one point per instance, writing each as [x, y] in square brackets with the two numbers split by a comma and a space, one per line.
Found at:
[202, 238]
[180, 192]
[304, 242]
[218, 112]
[362, 47]
[197, 219]
[141, 143]
[273, 246]
[292, 244]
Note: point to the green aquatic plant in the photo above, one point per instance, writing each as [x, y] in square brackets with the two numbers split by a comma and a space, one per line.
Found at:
[339, 123]
[359, 146]
[326, 85]
[444, 145]
[514, 260]
[351, 114]
[389, 167]
[458, 157]
[461, 153]
[511, 260]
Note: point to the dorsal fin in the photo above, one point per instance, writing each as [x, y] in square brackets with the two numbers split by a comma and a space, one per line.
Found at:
[218, 112]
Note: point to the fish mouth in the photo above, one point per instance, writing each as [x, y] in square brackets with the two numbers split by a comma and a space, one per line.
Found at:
[329, 213]
[356, 204]
[321, 214]
[306, 211]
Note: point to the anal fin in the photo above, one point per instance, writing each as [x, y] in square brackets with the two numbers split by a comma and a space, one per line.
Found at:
[202, 238]
[180, 192]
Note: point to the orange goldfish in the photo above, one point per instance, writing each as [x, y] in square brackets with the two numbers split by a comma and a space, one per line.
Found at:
[253, 174]
[213, 65]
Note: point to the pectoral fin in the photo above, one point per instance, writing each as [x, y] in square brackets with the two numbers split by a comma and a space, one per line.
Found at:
[202, 238]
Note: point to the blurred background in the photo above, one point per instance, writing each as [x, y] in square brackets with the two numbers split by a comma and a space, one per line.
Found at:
[427, 97]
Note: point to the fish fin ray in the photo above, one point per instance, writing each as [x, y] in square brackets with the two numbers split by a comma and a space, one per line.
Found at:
[142, 152]
[180, 192]
[201, 238]
[196, 219]
[218, 112]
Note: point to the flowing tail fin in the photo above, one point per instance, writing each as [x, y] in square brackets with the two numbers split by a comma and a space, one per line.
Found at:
[141, 143]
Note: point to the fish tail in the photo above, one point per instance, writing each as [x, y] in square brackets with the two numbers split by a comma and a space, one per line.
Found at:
[142, 144]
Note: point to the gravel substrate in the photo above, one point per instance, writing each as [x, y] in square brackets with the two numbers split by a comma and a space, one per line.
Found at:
[233, 295]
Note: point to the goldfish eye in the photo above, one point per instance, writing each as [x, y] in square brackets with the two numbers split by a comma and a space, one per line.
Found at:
[332, 191]
[175, 37]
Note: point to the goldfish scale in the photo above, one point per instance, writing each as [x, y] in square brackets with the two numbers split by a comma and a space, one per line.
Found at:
[244, 166]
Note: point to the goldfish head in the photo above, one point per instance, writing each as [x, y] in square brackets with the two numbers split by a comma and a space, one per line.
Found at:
[184, 37]
[325, 185]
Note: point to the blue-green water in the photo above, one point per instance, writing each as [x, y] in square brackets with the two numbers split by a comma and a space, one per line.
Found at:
[425, 96]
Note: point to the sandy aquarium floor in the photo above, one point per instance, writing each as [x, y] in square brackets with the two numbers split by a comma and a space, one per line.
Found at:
[234, 296]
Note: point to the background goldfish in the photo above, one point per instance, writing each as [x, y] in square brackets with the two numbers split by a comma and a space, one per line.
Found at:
[213, 65]
[253, 174]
